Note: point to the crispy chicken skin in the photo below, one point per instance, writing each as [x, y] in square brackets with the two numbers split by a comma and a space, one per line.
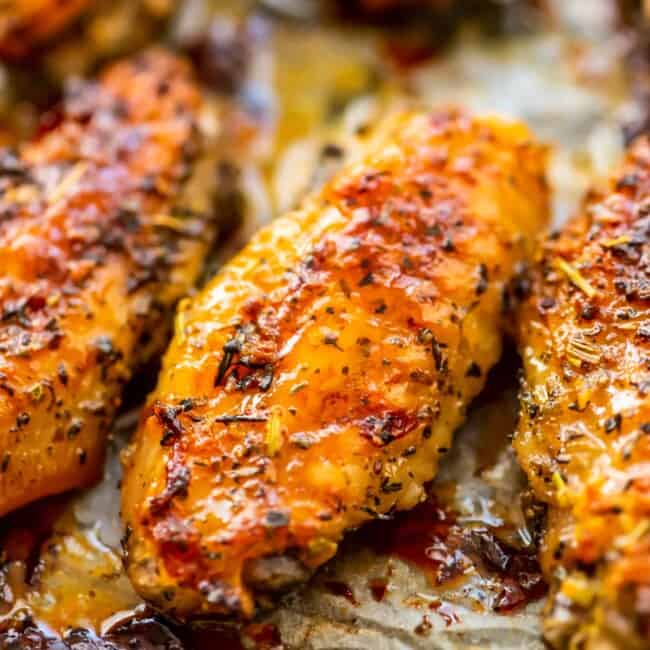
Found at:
[315, 381]
[103, 226]
[27, 24]
[584, 437]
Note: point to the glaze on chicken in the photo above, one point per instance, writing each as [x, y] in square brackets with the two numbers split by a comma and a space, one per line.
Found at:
[314, 383]
[584, 438]
[104, 222]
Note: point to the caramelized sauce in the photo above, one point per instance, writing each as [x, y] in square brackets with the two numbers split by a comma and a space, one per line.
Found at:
[338, 588]
[378, 588]
[265, 637]
[143, 634]
[431, 538]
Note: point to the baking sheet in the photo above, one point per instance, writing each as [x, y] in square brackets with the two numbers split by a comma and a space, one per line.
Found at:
[433, 578]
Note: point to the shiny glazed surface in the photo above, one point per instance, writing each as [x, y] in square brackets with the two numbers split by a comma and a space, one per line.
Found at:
[314, 382]
[584, 433]
[104, 222]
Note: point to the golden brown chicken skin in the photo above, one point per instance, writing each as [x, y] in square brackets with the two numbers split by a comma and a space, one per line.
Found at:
[27, 24]
[584, 438]
[103, 226]
[315, 381]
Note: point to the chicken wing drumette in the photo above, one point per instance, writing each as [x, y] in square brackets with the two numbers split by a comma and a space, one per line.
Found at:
[104, 222]
[316, 380]
[584, 437]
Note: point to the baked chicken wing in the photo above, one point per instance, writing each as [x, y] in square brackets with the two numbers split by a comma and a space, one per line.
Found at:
[584, 437]
[104, 222]
[314, 383]
[27, 24]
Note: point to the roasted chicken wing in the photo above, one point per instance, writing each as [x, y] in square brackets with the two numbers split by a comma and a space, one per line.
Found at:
[315, 382]
[27, 24]
[584, 437]
[104, 222]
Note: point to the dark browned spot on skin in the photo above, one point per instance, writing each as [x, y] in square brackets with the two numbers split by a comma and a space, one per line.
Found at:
[178, 480]
[385, 428]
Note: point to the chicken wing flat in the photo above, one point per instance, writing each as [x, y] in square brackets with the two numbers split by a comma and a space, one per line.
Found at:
[584, 437]
[316, 380]
[103, 226]
[27, 24]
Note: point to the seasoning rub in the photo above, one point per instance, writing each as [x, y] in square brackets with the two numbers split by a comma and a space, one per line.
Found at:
[584, 435]
[319, 376]
[104, 222]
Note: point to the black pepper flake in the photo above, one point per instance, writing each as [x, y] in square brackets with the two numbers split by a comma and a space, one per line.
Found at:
[613, 423]
[74, 429]
[532, 409]
[388, 486]
[409, 451]
[482, 284]
[62, 374]
[333, 340]
[448, 245]
[4, 464]
[589, 312]
[332, 150]
[474, 370]
[106, 351]
[645, 427]
[230, 349]
[546, 303]
[426, 432]
[380, 309]
[276, 519]
[82, 455]
[438, 357]
[367, 279]
[267, 378]
[22, 420]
